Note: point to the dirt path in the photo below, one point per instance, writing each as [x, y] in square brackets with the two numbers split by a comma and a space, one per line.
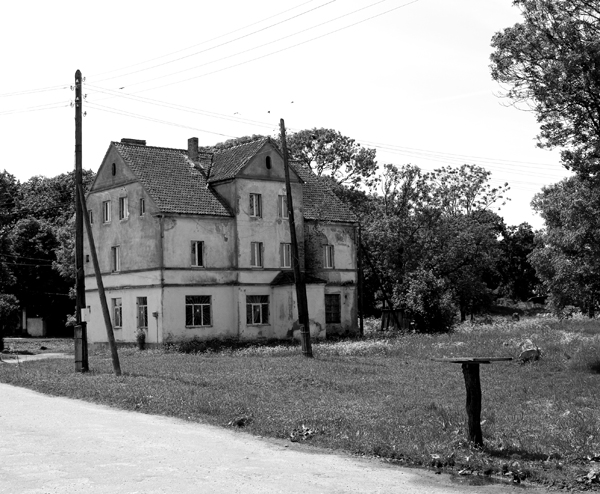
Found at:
[54, 445]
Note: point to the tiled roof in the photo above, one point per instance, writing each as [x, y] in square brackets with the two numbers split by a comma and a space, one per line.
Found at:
[171, 180]
[320, 203]
[287, 278]
[228, 162]
[177, 186]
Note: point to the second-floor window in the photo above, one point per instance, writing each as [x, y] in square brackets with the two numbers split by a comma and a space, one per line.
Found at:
[115, 261]
[256, 254]
[282, 207]
[142, 206]
[285, 255]
[123, 208]
[106, 212]
[197, 253]
[91, 216]
[328, 259]
[256, 205]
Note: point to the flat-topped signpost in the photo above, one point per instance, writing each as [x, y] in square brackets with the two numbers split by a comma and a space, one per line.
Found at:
[470, 368]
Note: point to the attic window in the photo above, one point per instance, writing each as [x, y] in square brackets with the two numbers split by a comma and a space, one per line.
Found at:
[114, 169]
[268, 162]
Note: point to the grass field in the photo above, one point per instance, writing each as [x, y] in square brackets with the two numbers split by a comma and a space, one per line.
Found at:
[379, 396]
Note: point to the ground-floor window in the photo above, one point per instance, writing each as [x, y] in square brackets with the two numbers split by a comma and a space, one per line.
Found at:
[117, 306]
[198, 310]
[333, 309]
[142, 312]
[257, 309]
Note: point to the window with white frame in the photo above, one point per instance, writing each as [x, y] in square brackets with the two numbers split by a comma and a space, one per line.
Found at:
[328, 259]
[197, 310]
[115, 258]
[106, 212]
[285, 255]
[142, 206]
[282, 207]
[333, 308]
[117, 306]
[197, 253]
[123, 208]
[257, 309]
[256, 205]
[256, 254]
[142, 312]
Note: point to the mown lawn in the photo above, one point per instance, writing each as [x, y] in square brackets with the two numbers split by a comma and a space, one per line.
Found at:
[380, 396]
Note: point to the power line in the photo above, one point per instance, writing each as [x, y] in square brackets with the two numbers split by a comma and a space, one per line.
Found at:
[47, 106]
[109, 109]
[32, 91]
[215, 47]
[28, 258]
[447, 158]
[274, 52]
[204, 42]
[174, 106]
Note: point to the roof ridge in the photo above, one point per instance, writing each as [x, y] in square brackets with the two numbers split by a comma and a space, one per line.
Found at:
[149, 147]
[267, 138]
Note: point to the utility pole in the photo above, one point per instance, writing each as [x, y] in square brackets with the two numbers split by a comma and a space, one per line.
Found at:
[298, 277]
[81, 329]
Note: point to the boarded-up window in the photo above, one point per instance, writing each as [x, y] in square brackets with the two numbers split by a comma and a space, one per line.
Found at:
[333, 310]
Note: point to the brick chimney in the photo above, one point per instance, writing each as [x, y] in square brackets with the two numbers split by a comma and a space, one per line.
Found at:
[193, 149]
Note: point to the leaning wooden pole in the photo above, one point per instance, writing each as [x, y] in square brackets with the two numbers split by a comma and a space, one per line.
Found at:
[298, 278]
[109, 330]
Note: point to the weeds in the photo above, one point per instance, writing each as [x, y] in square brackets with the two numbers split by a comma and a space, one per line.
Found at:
[379, 396]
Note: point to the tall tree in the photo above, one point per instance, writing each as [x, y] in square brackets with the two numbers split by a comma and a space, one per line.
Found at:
[567, 255]
[550, 63]
[329, 153]
[517, 275]
[433, 238]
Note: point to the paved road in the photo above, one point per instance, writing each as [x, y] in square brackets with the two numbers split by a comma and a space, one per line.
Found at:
[60, 446]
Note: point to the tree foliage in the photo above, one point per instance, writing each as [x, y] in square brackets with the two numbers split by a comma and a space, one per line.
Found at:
[329, 153]
[517, 277]
[567, 255]
[551, 62]
[434, 241]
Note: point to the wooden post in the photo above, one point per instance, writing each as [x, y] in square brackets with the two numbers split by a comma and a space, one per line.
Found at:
[298, 278]
[473, 386]
[82, 365]
[109, 330]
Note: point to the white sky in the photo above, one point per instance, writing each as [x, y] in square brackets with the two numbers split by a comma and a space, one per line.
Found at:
[414, 80]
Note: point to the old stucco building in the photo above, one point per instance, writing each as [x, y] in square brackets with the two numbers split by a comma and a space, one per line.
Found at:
[196, 244]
